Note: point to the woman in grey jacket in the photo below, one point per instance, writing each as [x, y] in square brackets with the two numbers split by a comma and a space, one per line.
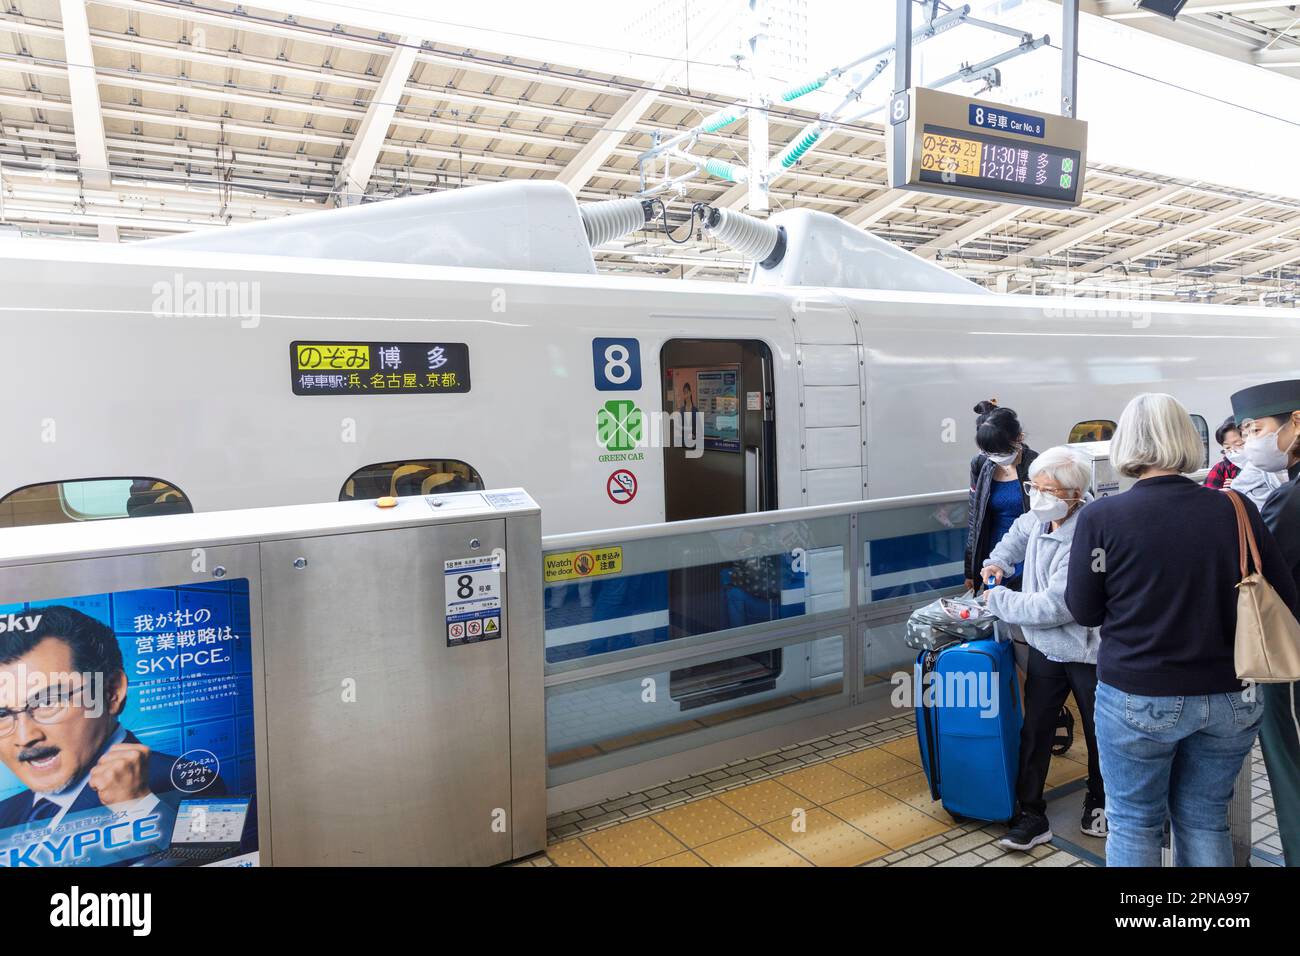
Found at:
[1062, 653]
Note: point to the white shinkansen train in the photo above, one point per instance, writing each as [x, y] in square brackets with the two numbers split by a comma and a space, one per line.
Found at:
[443, 342]
[463, 340]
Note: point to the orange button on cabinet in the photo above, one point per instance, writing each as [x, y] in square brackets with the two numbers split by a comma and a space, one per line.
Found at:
[388, 501]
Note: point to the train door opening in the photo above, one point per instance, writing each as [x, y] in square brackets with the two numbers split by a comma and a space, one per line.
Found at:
[721, 460]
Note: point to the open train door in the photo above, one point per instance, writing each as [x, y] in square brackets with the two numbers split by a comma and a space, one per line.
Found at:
[718, 398]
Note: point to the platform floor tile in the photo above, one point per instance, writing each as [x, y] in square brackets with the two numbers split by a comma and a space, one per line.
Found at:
[875, 765]
[853, 798]
[822, 783]
[764, 801]
[633, 844]
[751, 848]
[824, 839]
[886, 818]
[701, 821]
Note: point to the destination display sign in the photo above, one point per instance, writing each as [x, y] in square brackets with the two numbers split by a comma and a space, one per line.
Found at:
[978, 160]
[379, 368]
[956, 145]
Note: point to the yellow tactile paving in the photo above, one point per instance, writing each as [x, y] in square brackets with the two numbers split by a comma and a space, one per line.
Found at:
[887, 819]
[679, 859]
[915, 792]
[764, 801]
[1079, 752]
[572, 853]
[821, 783]
[874, 766]
[751, 848]
[906, 748]
[633, 844]
[1063, 771]
[854, 808]
[826, 840]
[701, 821]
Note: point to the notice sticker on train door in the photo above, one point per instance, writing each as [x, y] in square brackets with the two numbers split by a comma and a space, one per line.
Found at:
[621, 487]
[473, 592]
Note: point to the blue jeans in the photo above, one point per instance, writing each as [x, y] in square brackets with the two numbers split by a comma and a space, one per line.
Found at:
[1177, 757]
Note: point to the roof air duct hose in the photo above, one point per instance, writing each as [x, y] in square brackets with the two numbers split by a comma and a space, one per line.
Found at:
[609, 220]
[752, 238]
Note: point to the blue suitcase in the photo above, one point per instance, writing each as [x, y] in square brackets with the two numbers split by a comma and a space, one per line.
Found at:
[968, 718]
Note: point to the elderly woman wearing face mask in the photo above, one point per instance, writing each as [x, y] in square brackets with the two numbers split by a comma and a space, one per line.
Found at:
[1269, 417]
[1062, 653]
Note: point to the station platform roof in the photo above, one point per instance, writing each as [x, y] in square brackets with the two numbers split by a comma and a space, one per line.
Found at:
[152, 117]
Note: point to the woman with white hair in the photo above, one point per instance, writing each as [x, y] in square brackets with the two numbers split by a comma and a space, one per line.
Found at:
[1062, 653]
[1156, 568]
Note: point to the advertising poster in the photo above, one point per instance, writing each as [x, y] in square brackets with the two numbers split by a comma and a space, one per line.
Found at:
[126, 729]
[715, 394]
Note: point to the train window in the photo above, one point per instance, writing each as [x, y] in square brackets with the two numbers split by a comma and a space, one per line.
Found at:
[1203, 430]
[1099, 429]
[418, 476]
[93, 499]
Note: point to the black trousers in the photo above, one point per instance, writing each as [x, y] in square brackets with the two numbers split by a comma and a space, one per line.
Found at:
[1047, 685]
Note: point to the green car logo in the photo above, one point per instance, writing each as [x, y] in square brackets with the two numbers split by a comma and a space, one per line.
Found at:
[618, 425]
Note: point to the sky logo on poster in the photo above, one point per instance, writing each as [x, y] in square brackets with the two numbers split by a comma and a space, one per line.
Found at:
[134, 910]
[13, 623]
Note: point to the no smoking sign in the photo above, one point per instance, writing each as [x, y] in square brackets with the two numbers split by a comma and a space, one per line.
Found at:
[621, 487]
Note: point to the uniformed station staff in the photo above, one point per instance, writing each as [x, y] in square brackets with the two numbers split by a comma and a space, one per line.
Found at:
[1269, 416]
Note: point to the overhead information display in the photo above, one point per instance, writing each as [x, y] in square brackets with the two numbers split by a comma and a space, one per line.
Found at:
[980, 161]
[960, 146]
[379, 368]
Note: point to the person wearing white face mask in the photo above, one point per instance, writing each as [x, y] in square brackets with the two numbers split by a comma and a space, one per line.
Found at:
[1062, 653]
[996, 478]
[1235, 470]
[1269, 416]
[1227, 468]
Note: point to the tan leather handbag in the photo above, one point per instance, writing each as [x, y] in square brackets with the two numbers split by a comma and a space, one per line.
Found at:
[1267, 647]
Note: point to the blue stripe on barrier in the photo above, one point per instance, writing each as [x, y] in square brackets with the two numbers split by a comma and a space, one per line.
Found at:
[596, 616]
[908, 558]
[599, 615]
[603, 645]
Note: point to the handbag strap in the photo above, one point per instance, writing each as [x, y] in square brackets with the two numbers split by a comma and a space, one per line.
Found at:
[1245, 535]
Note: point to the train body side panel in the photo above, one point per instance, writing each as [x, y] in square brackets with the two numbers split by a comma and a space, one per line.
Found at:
[1057, 362]
[120, 377]
[113, 371]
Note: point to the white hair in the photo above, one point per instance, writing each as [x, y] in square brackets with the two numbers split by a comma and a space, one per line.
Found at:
[1155, 431]
[1065, 466]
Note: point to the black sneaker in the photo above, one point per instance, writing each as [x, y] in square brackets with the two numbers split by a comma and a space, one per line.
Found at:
[1094, 818]
[1027, 831]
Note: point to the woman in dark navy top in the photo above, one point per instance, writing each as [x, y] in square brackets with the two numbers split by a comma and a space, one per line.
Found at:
[1156, 568]
[997, 478]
